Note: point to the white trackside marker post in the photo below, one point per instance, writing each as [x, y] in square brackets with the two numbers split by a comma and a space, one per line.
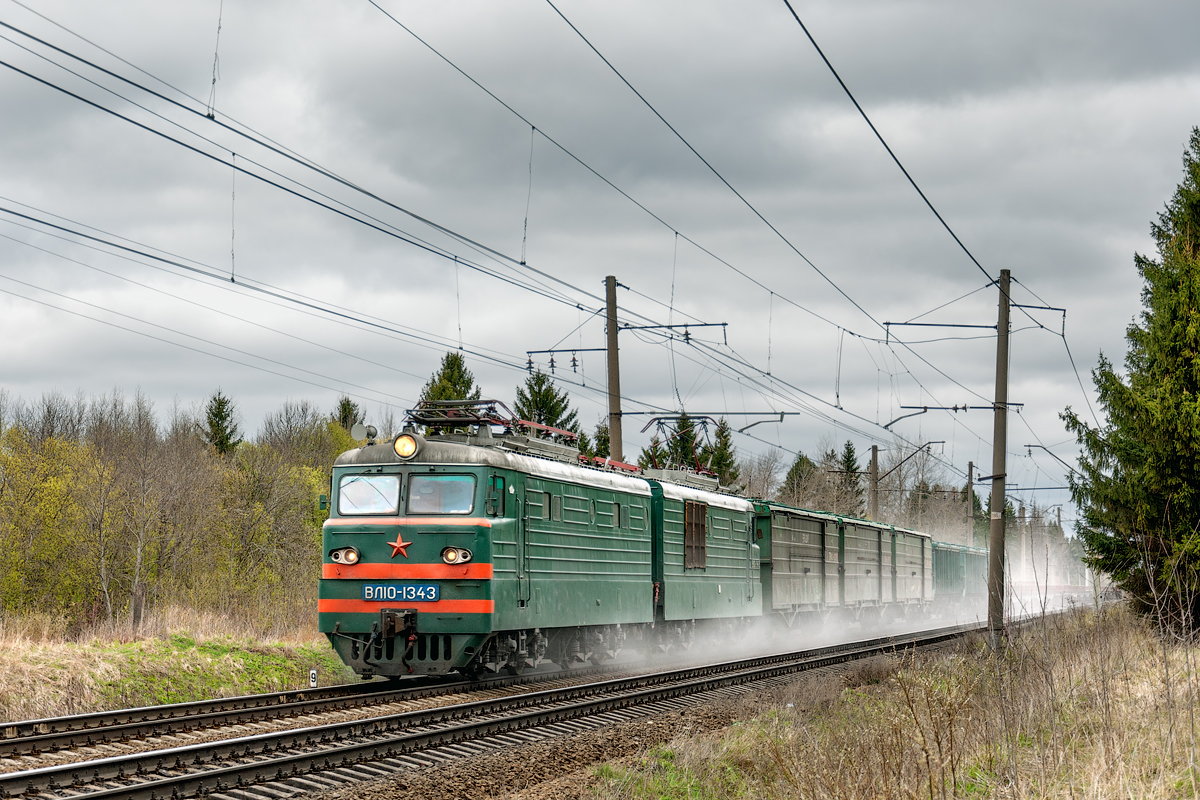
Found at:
[312, 679]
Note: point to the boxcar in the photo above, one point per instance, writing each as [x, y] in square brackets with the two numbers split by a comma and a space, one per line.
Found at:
[816, 563]
[961, 574]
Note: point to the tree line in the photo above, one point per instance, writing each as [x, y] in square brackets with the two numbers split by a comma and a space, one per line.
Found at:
[106, 510]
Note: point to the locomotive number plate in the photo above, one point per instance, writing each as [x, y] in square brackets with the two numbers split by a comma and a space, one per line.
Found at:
[395, 592]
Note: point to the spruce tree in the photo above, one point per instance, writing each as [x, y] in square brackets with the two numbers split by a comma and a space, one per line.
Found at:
[600, 435]
[720, 458]
[539, 401]
[981, 523]
[653, 456]
[220, 430]
[851, 481]
[348, 413]
[1138, 485]
[452, 381]
[681, 450]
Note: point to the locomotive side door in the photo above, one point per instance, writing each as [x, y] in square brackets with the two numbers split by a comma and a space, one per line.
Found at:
[523, 588]
[753, 562]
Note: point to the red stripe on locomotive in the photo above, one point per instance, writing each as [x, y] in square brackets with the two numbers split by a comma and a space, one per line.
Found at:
[368, 571]
[456, 522]
[347, 606]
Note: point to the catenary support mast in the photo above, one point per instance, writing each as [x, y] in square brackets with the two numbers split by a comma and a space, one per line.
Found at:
[874, 483]
[970, 540]
[999, 445]
[615, 451]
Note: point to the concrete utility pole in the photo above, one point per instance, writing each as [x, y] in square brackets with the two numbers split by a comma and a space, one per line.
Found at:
[999, 444]
[614, 373]
[874, 483]
[970, 540]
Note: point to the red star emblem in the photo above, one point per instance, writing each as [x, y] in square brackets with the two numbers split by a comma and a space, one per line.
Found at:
[399, 546]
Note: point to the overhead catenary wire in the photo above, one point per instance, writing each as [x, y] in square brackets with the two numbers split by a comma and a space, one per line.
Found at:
[655, 216]
[246, 289]
[894, 157]
[184, 334]
[879, 136]
[306, 305]
[1086, 397]
[165, 136]
[213, 310]
[202, 269]
[216, 276]
[713, 169]
[583, 384]
[567, 152]
[369, 222]
[556, 143]
[745, 201]
[193, 349]
[271, 146]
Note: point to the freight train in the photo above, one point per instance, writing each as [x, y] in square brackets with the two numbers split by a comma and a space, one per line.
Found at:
[488, 544]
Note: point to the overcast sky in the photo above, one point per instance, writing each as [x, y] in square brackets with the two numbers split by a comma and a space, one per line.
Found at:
[1047, 135]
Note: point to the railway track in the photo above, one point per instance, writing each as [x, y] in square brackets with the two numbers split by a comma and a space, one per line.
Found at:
[87, 730]
[290, 762]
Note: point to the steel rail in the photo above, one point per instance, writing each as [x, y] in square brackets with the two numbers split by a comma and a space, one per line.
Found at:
[57, 733]
[287, 754]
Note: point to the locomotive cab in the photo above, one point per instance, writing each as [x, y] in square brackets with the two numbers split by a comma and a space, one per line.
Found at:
[406, 575]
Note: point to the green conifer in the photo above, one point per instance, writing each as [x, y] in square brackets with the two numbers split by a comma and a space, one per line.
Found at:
[1138, 485]
[539, 401]
[452, 381]
[720, 458]
[220, 430]
[348, 413]
[653, 456]
[851, 481]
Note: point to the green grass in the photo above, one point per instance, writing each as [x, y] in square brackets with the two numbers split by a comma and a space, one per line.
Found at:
[663, 775]
[179, 669]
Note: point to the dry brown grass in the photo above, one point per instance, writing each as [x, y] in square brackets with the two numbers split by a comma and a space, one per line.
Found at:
[1080, 706]
[19, 630]
[179, 654]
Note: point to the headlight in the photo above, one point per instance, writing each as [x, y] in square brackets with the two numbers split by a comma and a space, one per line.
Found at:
[405, 445]
[456, 555]
[344, 555]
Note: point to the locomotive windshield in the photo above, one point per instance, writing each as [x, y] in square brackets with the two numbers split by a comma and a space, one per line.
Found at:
[441, 494]
[369, 494]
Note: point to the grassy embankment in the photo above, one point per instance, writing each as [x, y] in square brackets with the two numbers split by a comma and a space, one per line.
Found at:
[1081, 706]
[178, 656]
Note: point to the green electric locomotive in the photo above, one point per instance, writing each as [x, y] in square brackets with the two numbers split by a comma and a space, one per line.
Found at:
[489, 544]
[474, 550]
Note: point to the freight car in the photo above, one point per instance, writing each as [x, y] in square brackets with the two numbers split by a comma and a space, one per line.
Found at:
[960, 575]
[484, 545]
[819, 564]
